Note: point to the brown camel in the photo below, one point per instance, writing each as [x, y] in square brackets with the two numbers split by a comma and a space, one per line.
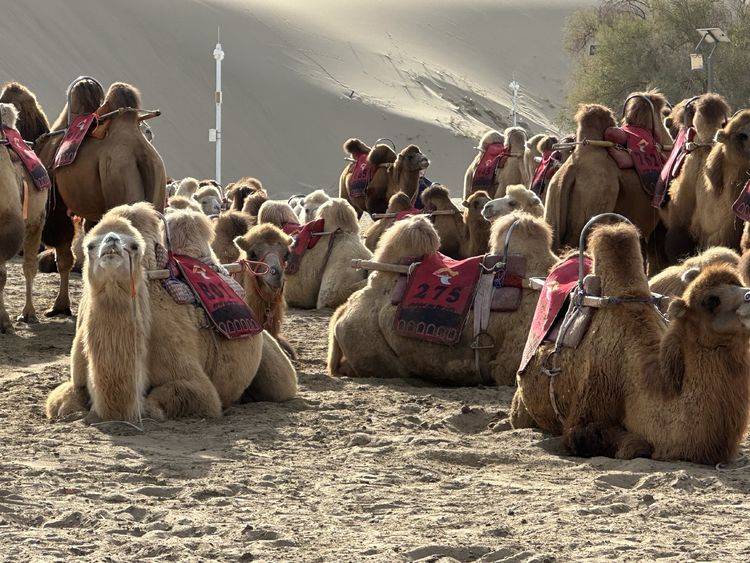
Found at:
[243, 189]
[378, 157]
[22, 212]
[590, 182]
[390, 178]
[227, 227]
[517, 198]
[368, 317]
[450, 228]
[706, 115]
[399, 203]
[511, 167]
[476, 239]
[726, 173]
[188, 371]
[264, 290]
[531, 152]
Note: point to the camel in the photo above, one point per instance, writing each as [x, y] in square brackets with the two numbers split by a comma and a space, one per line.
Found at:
[179, 202]
[402, 175]
[244, 188]
[399, 203]
[277, 213]
[634, 388]
[264, 291]
[325, 278]
[22, 213]
[512, 169]
[32, 122]
[188, 371]
[706, 115]
[187, 187]
[369, 315]
[531, 153]
[450, 228]
[209, 199]
[377, 157]
[311, 204]
[227, 227]
[726, 173]
[476, 239]
[517, 198]
[121, 167]
[590, 182]
[296, 202]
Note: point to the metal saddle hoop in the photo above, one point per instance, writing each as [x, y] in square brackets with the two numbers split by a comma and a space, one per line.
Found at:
[69, 91]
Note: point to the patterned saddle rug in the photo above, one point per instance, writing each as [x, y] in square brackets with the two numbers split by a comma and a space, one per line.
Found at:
[74, 136]
[28, 158]
[493, 158]
[362, 173]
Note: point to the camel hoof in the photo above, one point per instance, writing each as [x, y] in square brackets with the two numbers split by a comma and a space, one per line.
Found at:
[65, 312]
[29, 319]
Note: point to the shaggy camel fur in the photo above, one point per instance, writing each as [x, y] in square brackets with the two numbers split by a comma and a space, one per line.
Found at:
[400, 176]
[398, 203]
[277, 213]
[589, 182]
[514, 169]
[179, 202]
[209, 198]
[311, 204]
[674, 280]
[16, 231]
[264, 292]
[187, 187]
[243, 189]
[191, 371]
[32, 121]
[727, 170]
[476, 236]
[536, 146]
[362, 341]
[517, 198]
[325, 277]
[123, 167]
[450, 228]
[227, 227]
[707, 115]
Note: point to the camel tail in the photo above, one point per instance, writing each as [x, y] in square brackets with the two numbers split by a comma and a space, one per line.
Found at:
[556, 205]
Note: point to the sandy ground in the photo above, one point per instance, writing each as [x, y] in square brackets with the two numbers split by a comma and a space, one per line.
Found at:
[352, 470]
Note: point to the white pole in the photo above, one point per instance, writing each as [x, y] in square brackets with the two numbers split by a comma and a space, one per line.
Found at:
[219, 56]
[515, 87]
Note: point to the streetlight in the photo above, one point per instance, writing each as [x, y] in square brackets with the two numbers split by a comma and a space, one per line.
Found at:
[711, 36]
[515, 87]
[215, 134]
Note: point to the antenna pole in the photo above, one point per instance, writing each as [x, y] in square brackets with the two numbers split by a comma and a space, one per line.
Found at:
[218, 56]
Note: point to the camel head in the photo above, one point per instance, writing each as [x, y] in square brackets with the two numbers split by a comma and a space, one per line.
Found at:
[515, 138]
[338, 214]
[121, 95]
[411, 238]
[312, 203]
[644, 109]
[188, 186]
[730, 156]
[680, 116]
[239, 191]
[268, 244]
[277, 213]
[32, 120]
[474, 204]
[178, 202]
[114, 252]
[531, 237]
[191, 234]
[353, 147]
[399, 202]
[147, 221]
[546, 143]
[411, 159]
[437, 197]
[711, 113]
[517, 198]
[592, 121]
[616, 250]
[716, 302]
[209, 199]
[491, 137]
[533, 142]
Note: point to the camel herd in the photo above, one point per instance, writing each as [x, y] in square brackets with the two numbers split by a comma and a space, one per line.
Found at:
[603, 274]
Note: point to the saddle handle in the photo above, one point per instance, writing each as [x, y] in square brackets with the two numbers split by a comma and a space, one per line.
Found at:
[506, 246]
[582, 239]
[651, 105]
[70, 90]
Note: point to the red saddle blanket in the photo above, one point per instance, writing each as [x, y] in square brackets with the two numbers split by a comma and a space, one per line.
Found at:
[642, 153]
[558, 285]
[544, 172]
[227, 311]
[362, 173]
[292, 229]
[74, 136]
[673, 166]
[741, 207]
[304, 241]
[28, 158]
[407, 213]
[437, 299]
[494, 157]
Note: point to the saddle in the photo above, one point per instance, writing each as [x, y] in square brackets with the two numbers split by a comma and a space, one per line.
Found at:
[361, 175]
[673, 166]
[636, 148]
[551, 161]
[27, 157]
[493, 158]
[76, 132]
[305, 239]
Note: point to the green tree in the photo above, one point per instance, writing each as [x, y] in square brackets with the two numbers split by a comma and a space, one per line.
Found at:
[643, 44]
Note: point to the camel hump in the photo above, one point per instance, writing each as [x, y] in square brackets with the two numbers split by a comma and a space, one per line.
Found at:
[381, 154]
[354, 147]
[121, 95]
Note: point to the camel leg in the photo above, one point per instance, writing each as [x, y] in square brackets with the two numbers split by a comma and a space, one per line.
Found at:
[5, 324]
[72, 396]
[195, 396]
[519, 415]
[276, 379]
[31, 243]
[64, 258]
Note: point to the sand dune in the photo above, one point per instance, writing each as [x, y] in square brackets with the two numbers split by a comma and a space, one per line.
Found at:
[301, 77]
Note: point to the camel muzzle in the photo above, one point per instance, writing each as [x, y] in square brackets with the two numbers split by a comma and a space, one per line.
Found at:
[111, 245]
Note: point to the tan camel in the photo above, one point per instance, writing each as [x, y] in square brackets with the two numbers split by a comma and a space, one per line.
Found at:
[22, 213]
[512, 170]
[590, 182]
[706, 115]
[209, 199]
[264, 290]
[278, 213]
[227, 227]
[378, 157]
[476, 235]
[180, 202]
[389, 179]
[362, 341]
[311, 204]
[187, 371]
[325, 278]
[517, 198]
[726, 173]
[187, 187]
[399, 203]
[450, 228]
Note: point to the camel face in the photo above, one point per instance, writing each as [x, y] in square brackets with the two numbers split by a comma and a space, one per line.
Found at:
[210, 205]
[413, 159]
[711, 113]
[517, 198]
[113, 253]
[736, 137]
[311, 204]
[716, 299]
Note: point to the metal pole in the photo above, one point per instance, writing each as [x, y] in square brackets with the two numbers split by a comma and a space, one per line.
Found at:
[709, 70]
[515, 87]
[219, 56]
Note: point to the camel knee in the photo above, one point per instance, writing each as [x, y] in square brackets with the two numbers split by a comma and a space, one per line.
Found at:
[65, 400]
[184, 398]
[592, 439]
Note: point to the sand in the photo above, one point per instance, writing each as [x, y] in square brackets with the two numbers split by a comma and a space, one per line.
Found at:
[352, 470]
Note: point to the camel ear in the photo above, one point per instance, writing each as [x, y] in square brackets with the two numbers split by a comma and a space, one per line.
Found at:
[689, 275]
[715, 170]
[242, 244]
[677, 308]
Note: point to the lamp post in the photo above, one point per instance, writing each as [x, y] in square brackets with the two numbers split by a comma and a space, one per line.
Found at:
[711, 36]
[515, 88]
[215, 134]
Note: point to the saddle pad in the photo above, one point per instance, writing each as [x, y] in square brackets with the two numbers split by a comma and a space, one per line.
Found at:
[74, 136]
[304, 241]
[493, 157]
[362, 173]
[647, 159]
[544, 172]
[673, 166]
[226, 310]
[28, 158]
[558, 285]
[407, 213]
[741, 207]
[292, 229]
[438, 295]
